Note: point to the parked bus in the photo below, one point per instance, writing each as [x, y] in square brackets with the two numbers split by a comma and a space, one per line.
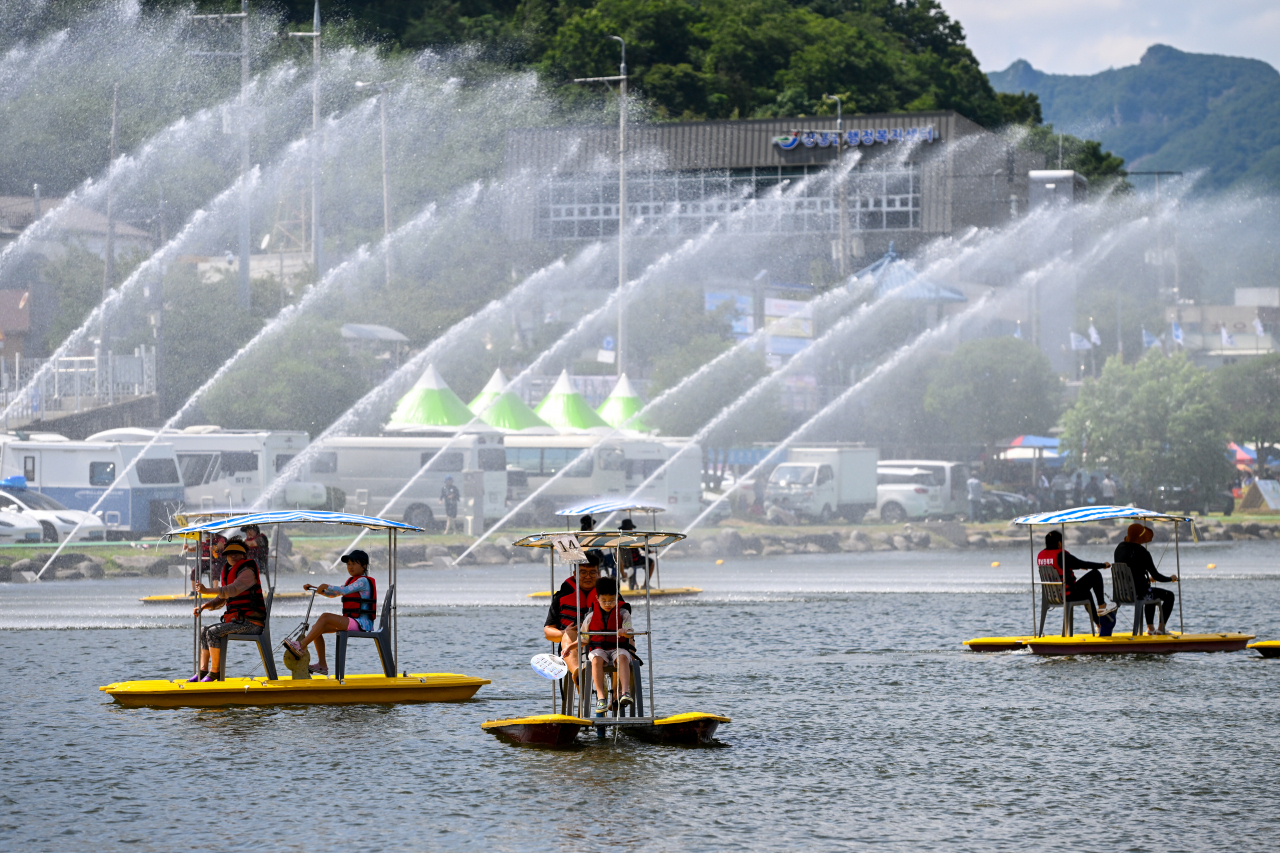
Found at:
[77, 474]
[371, 470]
[230, 468]
[615, 467]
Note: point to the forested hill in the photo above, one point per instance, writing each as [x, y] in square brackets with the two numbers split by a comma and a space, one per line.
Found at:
[1173, 110]
[710, 59]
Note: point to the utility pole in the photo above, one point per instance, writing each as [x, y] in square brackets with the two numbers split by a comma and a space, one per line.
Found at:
[316, 232]
[243, 54]
[621, 80]
[840, 181]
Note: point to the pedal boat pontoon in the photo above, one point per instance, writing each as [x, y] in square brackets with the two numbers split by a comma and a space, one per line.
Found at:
[569, 706]
[1067, 642]
[608, 509]
[1267, 648]
[392, 685]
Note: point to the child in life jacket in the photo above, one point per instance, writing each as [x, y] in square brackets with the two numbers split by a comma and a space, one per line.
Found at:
[607, 647]
[359, 598]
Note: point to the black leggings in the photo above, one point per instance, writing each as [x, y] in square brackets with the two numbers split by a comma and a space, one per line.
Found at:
[1089, 582]
[1166, 604]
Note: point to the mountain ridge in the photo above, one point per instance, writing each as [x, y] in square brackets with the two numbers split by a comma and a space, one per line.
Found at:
[1218, 116]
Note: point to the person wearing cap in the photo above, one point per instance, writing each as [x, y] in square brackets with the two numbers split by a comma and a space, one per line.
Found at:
[256, 542]
[1132, 553]
[359, 603]
[632, 558]
[246, 611]
[449, 496]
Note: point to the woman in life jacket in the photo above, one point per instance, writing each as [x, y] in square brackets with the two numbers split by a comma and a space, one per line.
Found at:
[609, 642]
[240, 591]
[359, 599]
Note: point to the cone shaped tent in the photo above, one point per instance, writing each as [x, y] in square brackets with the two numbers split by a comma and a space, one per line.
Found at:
[430, 403]
[564, 408]
[504, 409]
[620, 408]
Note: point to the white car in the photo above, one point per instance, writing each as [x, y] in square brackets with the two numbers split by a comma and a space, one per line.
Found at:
[53, 519]
[903, 493]
[16, 528]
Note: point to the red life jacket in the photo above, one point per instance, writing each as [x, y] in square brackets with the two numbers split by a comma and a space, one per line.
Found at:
[599, 622]
[258, 548]
[354, 606]
[249, 605]
[1053, 557]
[570, 605]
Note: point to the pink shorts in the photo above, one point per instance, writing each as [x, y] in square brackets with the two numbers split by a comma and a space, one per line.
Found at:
[353, 625]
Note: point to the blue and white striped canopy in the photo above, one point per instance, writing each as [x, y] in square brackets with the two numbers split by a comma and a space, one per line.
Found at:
[600, 507]
[293, 517]
[1098, 513]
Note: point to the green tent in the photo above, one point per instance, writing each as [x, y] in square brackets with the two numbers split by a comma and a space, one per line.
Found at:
[621, 407]
[430, 403]
[504, 409]
[564, 408]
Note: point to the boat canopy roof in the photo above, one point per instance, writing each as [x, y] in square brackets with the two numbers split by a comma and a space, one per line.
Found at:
[605, 506]
[605, 539]
[1083, 514]
[293, 517]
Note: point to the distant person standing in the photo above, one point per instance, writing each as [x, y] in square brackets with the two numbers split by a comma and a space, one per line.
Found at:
[1108, 490]
[1077, 490]
[1060, 486]
[1093, 491]
[450, 496]
[974, 485]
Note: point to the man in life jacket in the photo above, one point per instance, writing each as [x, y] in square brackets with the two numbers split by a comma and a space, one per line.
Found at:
[1077, 589]
[609, 633]
[359, 603]
[570, 604]
[240, 591]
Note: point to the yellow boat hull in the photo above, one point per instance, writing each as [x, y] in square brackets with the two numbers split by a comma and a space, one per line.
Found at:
[319, 690]
[1267, 648]
[555, 730]
[627, 592]
[997, 644]
[186, 599]
[692, 729]
[1126, 644]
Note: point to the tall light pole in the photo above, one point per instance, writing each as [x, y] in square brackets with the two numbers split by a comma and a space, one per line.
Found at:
[621, 80]
[243, 54]
[386, 191]
[316, 233]
[840, 179]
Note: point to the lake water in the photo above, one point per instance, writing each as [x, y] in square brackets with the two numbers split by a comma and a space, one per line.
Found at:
[858, 721]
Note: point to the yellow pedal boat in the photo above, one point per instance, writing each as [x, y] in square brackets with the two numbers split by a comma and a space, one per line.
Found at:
[1267, 648]
[626, 590]
[186, 598]
[1116, 644]
[540, 730]
[319, 690]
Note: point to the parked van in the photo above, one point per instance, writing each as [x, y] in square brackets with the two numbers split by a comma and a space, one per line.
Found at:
[230, 468]
[614, 468]
[903, 493]
[953, 497]
[372, 470]
[78, 473]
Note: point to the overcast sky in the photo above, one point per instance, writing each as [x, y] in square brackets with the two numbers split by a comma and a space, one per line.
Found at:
[1088, 36]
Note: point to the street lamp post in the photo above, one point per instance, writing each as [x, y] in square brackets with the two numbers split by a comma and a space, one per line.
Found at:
[840, 180]
[621, 80]
[386, 192]
[316, 234]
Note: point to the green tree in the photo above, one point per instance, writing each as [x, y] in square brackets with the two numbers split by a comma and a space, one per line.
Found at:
[1104, 170]
[994, 388]
[1250, 394]
[1156, 421]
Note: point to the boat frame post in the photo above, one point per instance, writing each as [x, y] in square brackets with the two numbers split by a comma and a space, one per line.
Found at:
[195, 597]
[583, 675]
[395, 596]
[551, 552]
[1066, 606]
[1177, 562]
[648, 625]
[1031, 541]
[272, 580]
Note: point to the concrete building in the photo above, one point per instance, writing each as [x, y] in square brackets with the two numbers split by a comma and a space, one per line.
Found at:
[1217, 335]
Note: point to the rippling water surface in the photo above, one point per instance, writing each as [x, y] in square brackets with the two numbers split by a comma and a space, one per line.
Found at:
[858, 720]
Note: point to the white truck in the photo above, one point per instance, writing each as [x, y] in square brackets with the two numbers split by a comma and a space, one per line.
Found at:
[821, 482]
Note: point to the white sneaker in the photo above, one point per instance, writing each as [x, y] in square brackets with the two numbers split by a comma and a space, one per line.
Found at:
[1107, 609]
